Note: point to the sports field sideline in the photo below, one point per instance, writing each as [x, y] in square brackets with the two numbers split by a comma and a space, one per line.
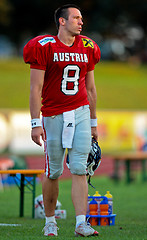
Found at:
[119, 86]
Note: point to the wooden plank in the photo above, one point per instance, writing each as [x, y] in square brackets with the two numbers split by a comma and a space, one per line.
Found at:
[123, 156]
[22, 171]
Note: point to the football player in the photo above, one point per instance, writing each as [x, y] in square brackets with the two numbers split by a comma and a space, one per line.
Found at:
[63, 88]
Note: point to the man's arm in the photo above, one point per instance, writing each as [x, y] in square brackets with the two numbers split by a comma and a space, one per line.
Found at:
[92, 98]
[36, 84]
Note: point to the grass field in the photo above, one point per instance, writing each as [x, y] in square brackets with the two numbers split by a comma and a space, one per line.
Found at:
[130, 205]
[119, 85]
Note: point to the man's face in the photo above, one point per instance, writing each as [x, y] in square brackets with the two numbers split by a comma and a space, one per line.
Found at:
[74, 22]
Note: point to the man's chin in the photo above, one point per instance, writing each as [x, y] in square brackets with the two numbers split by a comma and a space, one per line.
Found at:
[77, 33]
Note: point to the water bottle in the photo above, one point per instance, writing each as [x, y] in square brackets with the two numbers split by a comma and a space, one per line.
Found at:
[88, 201]
[93, 207]
[98, 200]
[110, 202]
[104, 211]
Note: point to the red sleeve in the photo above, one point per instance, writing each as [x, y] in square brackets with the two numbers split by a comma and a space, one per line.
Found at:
[35, 54]
[94, 57]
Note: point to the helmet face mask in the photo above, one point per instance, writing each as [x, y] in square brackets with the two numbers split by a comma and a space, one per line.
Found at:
[94, 158]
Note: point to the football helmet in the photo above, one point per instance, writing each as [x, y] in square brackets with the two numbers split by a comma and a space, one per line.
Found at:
[94, 158]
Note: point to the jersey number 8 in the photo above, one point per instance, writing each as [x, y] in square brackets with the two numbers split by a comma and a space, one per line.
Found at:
[68, 79]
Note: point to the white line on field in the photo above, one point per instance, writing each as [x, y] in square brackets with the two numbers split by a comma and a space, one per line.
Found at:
[11, 225]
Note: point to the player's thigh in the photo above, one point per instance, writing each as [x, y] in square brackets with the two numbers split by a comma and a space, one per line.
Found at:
[81, 144]
[54, 150]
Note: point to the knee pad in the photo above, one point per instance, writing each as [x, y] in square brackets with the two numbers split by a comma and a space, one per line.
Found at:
[55, 174]
[54, 160]
[78, 168]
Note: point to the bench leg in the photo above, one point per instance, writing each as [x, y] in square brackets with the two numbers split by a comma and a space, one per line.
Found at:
[144, 170]
[128, 177]
[21, 211]
[33, 195]
[116, 170]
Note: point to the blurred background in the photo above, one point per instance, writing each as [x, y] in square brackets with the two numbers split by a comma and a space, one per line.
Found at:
[119, 27]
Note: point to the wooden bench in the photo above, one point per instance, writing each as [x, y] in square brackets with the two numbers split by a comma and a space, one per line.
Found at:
[127, 158]
[23, 182]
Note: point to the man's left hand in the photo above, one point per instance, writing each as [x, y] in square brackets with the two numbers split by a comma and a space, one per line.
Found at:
[94, 133]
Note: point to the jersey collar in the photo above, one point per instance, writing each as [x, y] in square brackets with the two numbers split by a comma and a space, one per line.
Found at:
[68, 47]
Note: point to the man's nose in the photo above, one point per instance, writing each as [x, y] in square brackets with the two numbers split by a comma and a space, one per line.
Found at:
[80, 22]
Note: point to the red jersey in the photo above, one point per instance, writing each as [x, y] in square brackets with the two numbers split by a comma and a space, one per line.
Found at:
[65, 70]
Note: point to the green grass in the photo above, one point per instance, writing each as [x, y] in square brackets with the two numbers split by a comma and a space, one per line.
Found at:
[119, 85]
[130, 205]
[14, 91]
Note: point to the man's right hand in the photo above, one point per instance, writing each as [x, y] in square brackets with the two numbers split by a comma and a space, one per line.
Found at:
[36, 133]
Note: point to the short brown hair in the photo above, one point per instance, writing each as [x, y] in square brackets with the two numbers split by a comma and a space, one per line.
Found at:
[63, 12]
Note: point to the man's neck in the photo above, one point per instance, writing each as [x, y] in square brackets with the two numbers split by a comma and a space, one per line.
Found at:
[66, 39]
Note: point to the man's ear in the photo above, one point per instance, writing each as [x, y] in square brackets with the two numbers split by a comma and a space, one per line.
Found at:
[62, 21]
